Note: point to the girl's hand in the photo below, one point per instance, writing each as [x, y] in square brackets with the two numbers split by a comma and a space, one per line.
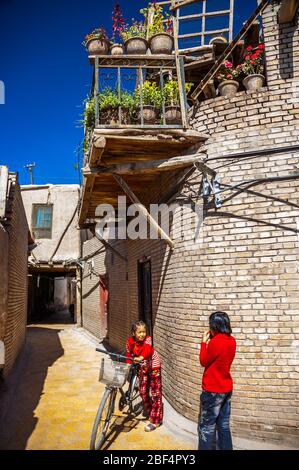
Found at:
[206, 337]
[138, 359]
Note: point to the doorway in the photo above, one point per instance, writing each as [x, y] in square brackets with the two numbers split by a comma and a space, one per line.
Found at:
[145, 293]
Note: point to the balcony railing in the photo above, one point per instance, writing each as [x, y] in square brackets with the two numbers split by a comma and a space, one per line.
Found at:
[138, 92]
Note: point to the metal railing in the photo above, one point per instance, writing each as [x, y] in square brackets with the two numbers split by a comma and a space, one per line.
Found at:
[123, 82]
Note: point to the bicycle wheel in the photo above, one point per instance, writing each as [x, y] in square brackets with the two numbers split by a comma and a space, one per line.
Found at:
[135, 400]
[102, 419]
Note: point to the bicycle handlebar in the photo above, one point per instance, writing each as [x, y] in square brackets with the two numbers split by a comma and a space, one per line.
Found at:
[119, 356]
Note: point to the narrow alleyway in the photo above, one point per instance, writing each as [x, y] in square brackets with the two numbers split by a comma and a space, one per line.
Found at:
[51, 398]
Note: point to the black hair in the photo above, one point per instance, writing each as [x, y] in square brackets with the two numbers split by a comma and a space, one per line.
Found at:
[135, 325]
[220, 323]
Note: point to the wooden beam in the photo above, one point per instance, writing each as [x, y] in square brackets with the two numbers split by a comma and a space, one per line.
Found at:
[154, 134]
[287, 11]
[98, 144]
[134, 168]
[110, 247]
[182, 3]
[125, 187]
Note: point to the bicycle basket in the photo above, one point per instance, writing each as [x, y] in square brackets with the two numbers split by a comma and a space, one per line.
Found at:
[113, 373]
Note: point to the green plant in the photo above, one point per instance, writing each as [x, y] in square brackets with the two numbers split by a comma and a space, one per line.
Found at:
[151, 94]
[160, 21]
[171, 92]
[98, 33]
[228, 72]
[136, 29]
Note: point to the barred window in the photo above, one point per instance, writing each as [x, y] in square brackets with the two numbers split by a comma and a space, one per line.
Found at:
[42, 215]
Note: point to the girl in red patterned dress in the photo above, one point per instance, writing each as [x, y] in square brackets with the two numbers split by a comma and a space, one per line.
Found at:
[139, 346]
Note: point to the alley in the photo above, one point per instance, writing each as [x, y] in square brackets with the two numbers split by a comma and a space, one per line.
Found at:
[51, 398]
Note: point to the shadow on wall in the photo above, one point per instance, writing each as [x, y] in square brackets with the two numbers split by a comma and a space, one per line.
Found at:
[21, 392]
[286, 50]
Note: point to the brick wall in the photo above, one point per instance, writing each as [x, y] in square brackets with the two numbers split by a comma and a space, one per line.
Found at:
[246, 263]
[16, 318]
[91, 289]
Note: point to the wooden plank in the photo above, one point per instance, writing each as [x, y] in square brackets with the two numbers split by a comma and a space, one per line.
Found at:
[98, 144]
[3, 190]
[192, 50]
[287, 11]
[143, 210]
[152, 135]
[207, 33]
[149, 166]
[182, 3]
[199, 64]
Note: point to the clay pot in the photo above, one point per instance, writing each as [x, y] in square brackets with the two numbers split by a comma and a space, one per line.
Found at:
[161, 43]
[173, 114]
[149, 114]
[228, 88]
[117, 49]
[136, 46]
[97, 46]
[253, 82]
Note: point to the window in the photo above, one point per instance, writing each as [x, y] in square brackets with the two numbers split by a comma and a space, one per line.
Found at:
[42, 220]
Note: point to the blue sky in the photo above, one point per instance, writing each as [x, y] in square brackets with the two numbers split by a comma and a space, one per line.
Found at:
[47, 76]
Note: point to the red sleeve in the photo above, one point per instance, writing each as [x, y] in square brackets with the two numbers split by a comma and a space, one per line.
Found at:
[128, 350]
[147, 348]
[208, 353]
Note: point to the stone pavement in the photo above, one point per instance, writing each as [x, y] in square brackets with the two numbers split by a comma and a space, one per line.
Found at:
[50, 400]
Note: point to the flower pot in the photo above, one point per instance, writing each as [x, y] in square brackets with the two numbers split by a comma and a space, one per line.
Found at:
[110, 116]
[117, 49]
[161, 43]
[228, 88]
[98, 46]
[136, 46]
[173, 114]
[149, 114]
[253, 82]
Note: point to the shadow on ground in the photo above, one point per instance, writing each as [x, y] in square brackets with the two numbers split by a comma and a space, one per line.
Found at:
[21, 391]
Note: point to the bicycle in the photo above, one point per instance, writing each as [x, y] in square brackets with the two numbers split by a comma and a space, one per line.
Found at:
[115, 374]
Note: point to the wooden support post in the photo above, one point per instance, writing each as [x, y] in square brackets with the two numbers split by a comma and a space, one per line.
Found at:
[142, 209]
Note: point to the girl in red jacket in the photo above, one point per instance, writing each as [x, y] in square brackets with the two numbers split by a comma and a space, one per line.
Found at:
[217, 353]
[139, 346]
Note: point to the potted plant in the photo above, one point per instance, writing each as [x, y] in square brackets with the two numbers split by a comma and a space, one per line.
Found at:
[116, 108]
[134, 38]
[117, 28]
[228, 86]
[151, 101]
[253, 68]
[160, 30]
[97, 42]
[171, 97]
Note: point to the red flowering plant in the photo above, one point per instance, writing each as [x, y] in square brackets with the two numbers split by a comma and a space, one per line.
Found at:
[228, 72]
[254, 58]
[118, 23]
